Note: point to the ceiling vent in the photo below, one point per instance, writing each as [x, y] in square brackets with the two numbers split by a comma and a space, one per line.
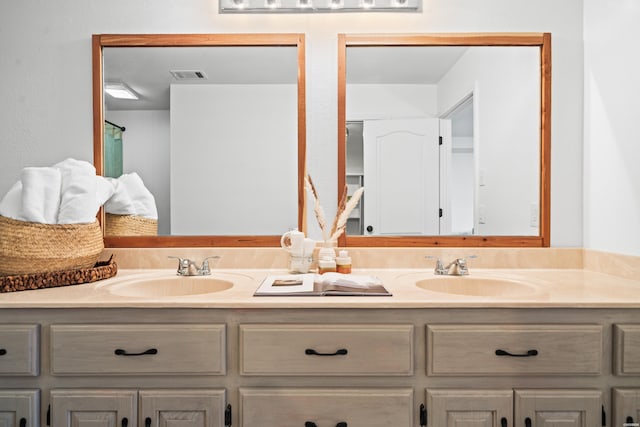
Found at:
[188, 75]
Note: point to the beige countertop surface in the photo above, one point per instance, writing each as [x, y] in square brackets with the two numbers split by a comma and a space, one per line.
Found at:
[483, 288]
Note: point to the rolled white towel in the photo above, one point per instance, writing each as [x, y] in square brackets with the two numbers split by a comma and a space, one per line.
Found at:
[40, 195]
[131, 197]
[11, 203]
[82, 192]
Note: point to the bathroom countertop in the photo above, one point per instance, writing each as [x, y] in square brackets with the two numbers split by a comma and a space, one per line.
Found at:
[534, 288]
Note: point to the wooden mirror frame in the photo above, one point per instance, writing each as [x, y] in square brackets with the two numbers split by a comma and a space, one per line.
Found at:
[199, 40]
[543, 41]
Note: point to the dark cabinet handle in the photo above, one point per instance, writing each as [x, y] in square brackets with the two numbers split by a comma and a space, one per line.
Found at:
[629, 420]
[147, 422]
[312, 352]
[369, 228]
[23, 422]
[121, 352]
[529, 353]
[3, 351]
[527, 422]
[312, 424]
[503, 422]
[125, 422]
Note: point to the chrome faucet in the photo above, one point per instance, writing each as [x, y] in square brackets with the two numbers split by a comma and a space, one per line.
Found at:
[457, 267]
[186, 267]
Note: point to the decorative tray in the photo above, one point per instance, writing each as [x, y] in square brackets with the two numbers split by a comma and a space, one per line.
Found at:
[101, 270]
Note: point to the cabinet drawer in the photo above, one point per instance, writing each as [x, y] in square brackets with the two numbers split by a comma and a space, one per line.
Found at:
[19, 350]
[138, 349]
[514, 349]
[326, 349]
[626, 342]
[298, 407]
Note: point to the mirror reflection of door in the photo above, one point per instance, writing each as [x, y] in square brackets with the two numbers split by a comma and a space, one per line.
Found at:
[458, 171]
[401, 171]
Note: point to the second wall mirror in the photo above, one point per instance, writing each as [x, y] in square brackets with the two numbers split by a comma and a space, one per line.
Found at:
[217, 134]
[450, 136]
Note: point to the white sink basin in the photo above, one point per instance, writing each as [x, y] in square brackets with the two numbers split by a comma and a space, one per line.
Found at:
[175, 286]
[476, 286]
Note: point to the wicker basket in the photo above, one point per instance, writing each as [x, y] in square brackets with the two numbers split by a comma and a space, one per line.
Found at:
[29, 247]
[129, 225]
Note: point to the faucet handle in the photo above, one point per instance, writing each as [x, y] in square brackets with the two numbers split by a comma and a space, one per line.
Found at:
[205, 265]
[183, 264]
[439, 269]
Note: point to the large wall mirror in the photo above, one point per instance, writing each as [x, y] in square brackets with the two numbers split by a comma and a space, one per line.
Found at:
[216, 134]
[450, 136]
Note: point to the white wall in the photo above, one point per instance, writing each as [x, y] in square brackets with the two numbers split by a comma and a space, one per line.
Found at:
[504, 81]
[612, 112]
[145, 150]
[46, 109]
[390, 101]
[226, 144]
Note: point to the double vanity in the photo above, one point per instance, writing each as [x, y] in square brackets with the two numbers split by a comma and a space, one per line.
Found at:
[531, 337]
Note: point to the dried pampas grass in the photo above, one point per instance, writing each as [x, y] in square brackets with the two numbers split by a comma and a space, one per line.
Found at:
[345, 206]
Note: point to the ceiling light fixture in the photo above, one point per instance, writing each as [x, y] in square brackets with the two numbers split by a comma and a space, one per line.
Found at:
[314, 6]
[120, 91]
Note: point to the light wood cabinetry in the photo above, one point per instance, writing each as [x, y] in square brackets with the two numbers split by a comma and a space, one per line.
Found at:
[131, 408]
[312, 407]
[470, 408]
[192, 349]
[550, 408]
[287, 366]
[88, 408]
[626, 349]
[19, 408]
[507, 349]
[626, 407]
[19, 349]
[503, 408]
[305, 349]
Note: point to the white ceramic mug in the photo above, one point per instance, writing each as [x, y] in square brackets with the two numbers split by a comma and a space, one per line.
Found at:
[293, 241]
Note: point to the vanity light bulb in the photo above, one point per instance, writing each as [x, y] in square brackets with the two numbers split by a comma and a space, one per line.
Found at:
[367, 4]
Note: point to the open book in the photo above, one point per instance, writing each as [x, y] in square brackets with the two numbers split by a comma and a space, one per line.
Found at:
[326, 284]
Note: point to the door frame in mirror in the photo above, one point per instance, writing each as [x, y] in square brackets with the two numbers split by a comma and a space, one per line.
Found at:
[541, 40]
[99, 41]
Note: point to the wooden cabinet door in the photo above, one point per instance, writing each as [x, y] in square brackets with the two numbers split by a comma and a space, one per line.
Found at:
[326, 407]
[19, 408]
[626, 406]
[551, 408]
[94, 408]
[184, 408]
[469, 408]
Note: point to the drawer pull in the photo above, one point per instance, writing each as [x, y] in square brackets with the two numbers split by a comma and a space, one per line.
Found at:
[527, 422]
[121, 352]
[529, 353]
[3, 351]
[629, 420]
[147, 422]
[312, 352]
[125, 422]
[503, 422]
[23, 422]
[312, 424]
